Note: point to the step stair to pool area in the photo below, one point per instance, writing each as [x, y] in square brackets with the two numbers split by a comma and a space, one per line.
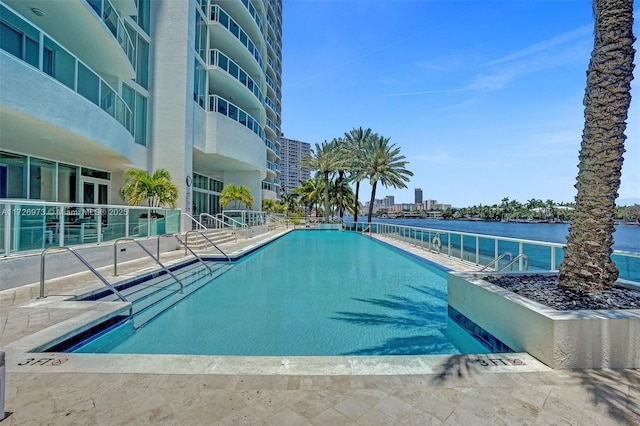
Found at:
[152, 297]
[196, 241]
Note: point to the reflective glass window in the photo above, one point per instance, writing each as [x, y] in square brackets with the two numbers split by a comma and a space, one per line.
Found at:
[88, 84]
[233, 112]
[223, 62]
[14, 180]
[42, 179]
[233, 69]
[222, 106]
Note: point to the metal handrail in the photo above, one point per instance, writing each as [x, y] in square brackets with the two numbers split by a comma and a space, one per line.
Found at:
[186, 247]
[242, 225]
[220, 222]
[200, 225]
[81, 259]
[510, 264]
[496, 260]
[157, 260]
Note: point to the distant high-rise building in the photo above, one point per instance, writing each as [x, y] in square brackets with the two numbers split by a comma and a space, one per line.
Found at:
[418, 199]
[292, 173]
[389, 201]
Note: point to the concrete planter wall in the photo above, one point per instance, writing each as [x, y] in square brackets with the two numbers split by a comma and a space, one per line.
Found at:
[560, 339]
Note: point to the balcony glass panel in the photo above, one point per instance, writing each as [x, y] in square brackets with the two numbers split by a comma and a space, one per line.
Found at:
[233, 112]
[142, 63]
[222, 106]
[31, 52]
[59, 64]
[88, 84]
[140, 135]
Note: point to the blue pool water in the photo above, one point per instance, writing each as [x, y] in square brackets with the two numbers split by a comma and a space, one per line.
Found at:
[307, 293]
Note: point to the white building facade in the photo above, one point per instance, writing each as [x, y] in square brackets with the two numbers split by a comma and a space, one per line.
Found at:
[90, 88]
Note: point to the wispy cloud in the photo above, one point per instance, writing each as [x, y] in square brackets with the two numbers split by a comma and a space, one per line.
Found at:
[355, 59]
[546, 45]
[426, 92]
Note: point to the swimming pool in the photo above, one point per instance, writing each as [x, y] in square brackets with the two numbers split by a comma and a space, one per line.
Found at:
[320, 293]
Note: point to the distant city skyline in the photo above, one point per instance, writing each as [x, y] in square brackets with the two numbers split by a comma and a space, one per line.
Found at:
[484, 98]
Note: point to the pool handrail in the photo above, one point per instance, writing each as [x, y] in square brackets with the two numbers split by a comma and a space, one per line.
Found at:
[496, 260]
[517, 258]
[186, 247]
[156, 259]
[81, 259]
[194, 220]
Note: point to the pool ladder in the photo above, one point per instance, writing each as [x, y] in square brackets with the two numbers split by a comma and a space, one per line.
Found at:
[510, 264]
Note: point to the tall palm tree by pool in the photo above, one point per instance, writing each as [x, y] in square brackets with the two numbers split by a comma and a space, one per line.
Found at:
[587, 264]
[311, 192]
[384, 165]
[326, 159]
[355, 142]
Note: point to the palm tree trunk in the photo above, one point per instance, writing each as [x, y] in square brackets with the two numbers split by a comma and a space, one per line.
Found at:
[355, 210]
[587, 264]
[373, 197]
[326, 197]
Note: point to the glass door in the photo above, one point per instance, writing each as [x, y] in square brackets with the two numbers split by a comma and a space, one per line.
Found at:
[95, 191]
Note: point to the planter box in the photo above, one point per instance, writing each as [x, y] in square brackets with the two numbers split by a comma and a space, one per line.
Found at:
[560, 339]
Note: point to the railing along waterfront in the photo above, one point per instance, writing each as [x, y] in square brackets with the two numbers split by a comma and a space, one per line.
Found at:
[482, 249]
[34, 225]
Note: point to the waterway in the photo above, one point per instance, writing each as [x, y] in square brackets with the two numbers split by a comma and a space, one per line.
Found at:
[626, 237]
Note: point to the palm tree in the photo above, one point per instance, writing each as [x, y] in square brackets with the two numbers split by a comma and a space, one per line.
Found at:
[385, 165]
[587, 266]
[269, 205]
[156, 189]
[325, 159]
[289, 202]
[355, 142]
[342, 196]
[311, 192]
[237, 194]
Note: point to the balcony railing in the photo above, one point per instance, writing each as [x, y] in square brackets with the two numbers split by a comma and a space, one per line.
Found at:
[35, 225]
[76, 75]
[105, 11]
[217, 14]
[226, 108]
[222, 61]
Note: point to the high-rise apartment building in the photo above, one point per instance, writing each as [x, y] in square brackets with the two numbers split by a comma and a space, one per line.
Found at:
[90, 88]
[292, 172]
[418, 196]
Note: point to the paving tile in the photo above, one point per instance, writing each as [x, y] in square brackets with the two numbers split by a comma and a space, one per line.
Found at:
[315, 403]
[352, 407]
[288, 417]
[394, 407]
[330, 417]
[375, 417]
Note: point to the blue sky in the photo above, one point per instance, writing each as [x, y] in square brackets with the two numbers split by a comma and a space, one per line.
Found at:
[484, 98]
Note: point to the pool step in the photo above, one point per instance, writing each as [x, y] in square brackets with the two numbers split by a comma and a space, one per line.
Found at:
[152, 305]
[153, 296]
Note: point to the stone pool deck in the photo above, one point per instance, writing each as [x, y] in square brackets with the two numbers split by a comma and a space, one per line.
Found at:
[90, 389]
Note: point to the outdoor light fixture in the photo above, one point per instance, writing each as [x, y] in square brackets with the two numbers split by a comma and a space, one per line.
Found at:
[37, 12]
